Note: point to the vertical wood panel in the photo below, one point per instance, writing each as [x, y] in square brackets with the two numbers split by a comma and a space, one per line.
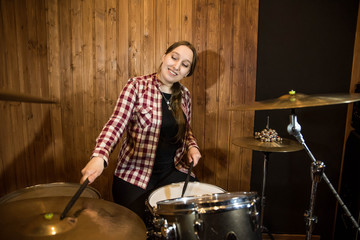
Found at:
[111, 77]
[135, 37]
[54, 78]
[203, 172]
[250, 26]
[123, 44]
[111, 55]
[211, 92]
[173, 21]
[148, 38]
[77, 97]
[3, 107]
[186, 23]
[66, 87]
[83, 52]
[100, 74]
[13, 115]
[88, 28]
[160, 29]
[31, 111]
[225, 86]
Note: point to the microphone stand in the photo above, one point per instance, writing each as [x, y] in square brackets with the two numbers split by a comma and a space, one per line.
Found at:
[317, 170]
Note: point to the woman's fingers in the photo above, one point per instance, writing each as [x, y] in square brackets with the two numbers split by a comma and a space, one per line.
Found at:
[92, 170]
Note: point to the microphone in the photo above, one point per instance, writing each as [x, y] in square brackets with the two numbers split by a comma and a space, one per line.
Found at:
[294, 128]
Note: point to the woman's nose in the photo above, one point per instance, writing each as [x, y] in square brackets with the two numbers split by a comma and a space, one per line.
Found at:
[177, 65]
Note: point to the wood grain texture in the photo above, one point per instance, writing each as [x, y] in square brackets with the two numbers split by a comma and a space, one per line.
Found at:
[81, 53]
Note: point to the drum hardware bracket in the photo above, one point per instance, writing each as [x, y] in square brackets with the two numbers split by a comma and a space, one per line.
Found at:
[167, 231]
[198, 224]
[317, 170]
[318, 173]
[198, 227]
[254, 216]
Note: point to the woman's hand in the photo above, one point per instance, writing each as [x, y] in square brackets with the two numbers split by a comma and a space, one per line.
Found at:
[193, 154]
[93, 169]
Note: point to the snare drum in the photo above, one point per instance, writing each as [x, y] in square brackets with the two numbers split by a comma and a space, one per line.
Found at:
[49, 190]
[216, 217]
[174, 190]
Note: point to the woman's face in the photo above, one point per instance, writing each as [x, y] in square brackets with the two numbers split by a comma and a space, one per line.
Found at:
[176, 65]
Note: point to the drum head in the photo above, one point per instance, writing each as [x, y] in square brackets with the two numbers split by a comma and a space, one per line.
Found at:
[50, 190]
[174, 190]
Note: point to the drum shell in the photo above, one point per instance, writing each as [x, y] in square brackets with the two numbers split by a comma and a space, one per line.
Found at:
[50, 190]
[212, 220]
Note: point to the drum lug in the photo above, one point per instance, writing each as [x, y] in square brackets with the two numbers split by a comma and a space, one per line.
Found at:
[198, 227]
[167, 231]
[254, 216]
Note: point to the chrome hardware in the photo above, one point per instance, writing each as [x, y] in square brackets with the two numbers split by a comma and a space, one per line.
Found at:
[254, 216]
[167, 231]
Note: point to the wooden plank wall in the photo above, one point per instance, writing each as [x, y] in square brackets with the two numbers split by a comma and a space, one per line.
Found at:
[81, 52]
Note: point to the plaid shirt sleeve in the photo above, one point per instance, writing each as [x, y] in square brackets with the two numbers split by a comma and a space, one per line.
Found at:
[115, 127]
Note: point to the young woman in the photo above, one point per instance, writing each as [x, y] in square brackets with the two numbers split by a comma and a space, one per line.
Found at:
[154, 111]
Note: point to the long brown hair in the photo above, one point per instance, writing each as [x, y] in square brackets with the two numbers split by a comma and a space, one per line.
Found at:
[176, 91]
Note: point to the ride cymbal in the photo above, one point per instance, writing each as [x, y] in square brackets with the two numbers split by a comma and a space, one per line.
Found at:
[286, 145]
[7, 95]
[298, 100]
[91, 219]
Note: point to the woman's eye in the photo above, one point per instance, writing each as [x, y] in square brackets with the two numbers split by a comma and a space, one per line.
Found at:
[185, 65]
[173, 57]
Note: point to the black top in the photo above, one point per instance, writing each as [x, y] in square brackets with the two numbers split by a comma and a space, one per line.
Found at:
[167, 146]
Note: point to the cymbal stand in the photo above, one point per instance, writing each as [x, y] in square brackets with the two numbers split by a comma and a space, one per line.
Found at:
[318, 173]
[262, 200]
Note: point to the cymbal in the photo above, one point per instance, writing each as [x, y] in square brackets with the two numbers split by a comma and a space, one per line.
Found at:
[89, 218]
[287, 145]
[298, 100]
[7, 95]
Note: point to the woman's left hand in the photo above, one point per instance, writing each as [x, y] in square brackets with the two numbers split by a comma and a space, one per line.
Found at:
[193, 154]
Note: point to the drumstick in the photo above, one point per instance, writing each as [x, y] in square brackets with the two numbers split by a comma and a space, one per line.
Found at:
[74, 198]
[187, 178]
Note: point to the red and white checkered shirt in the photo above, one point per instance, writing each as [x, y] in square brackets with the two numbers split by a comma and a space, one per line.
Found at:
[138, 112]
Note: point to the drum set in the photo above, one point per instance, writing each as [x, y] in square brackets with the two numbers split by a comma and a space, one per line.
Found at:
[203, 211]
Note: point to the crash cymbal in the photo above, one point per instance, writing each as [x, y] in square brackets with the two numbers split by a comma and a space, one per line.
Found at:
[298, 100]
[286, 145]
[91, 219]
[7, 95]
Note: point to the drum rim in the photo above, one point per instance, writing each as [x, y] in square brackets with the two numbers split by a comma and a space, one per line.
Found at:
[181, 205]
[14, 194]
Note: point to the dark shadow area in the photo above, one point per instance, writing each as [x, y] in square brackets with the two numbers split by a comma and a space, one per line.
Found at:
[31, 166]
[304, 46]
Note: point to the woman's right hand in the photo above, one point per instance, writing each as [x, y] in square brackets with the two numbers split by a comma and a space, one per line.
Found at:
[93, 169]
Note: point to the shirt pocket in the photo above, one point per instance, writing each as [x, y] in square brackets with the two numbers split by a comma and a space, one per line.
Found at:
[144, 116]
